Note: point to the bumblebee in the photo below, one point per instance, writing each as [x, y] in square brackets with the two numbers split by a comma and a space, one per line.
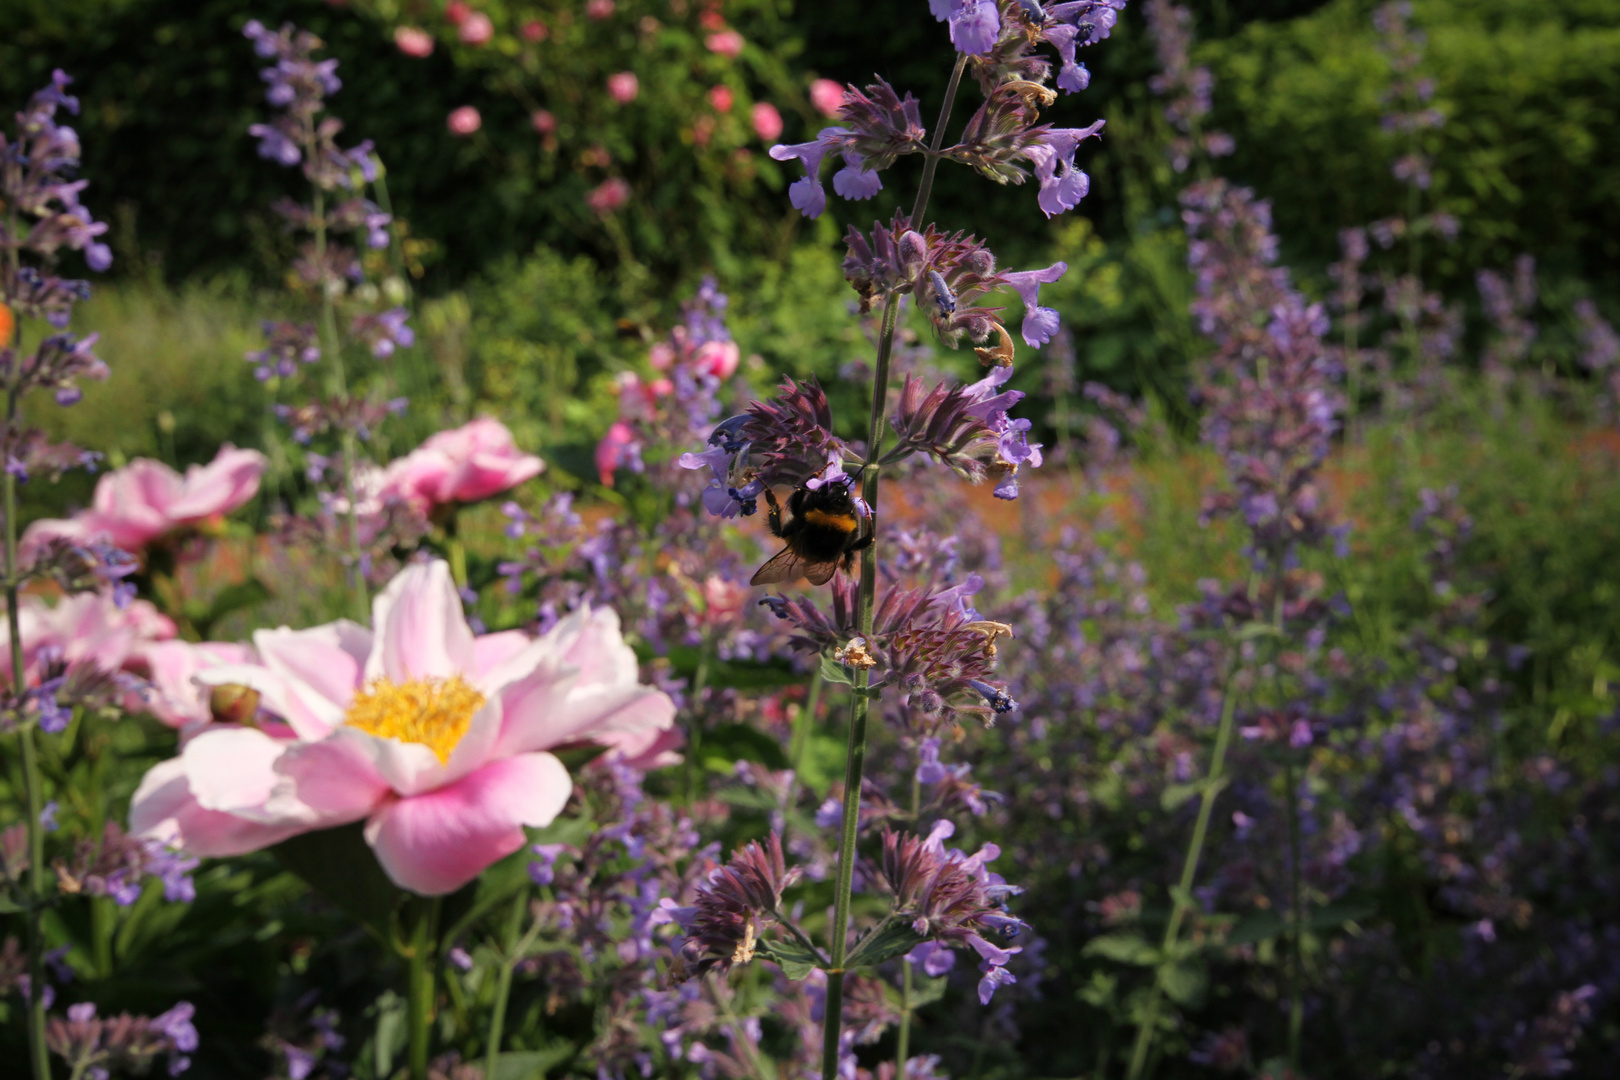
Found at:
[824, 533]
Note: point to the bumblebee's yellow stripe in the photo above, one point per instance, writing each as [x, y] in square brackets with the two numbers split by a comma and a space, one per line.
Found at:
[841, 522]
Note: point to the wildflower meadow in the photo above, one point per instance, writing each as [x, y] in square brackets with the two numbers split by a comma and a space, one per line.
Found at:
[630, 539]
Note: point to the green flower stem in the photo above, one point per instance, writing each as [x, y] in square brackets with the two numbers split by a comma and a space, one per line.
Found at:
[860, 704]
[1296, 911]
[333, 347]
[421, 957]
[1148, 1030]
[516, 948]
[33, 782]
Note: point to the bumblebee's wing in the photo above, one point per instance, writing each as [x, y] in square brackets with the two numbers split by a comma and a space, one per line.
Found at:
[789, 565]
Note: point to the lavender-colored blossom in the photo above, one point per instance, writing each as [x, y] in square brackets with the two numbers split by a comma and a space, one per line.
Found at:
[732, 908]
[1040, 323]
[853, 181]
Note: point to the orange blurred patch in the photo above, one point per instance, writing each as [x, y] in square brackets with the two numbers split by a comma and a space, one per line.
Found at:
[8, 323]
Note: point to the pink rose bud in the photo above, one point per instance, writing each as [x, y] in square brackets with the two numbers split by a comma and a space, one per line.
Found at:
[535, 30]
[767, 122]
[608, 196]
[476, 29]
[543, 121]
[827, 96]
[623, 87]
[726, 43]
[465, 121]
[720, 97]
[456, 12]
[599, 9]
[413, 42]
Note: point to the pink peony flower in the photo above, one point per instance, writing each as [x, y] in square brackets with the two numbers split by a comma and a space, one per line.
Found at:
[171, 667]
[436, 739]
[720, 97]
[534, 30]
[726, 43]
[608, 196]
[827, 96]
[86, 628]
[767, 122]
[413, 42]
[456, 12]
[146, 500]
[543, 121]
[476, 29]
[464, 121]
[623, 87]
[469, 463]
[598, 10]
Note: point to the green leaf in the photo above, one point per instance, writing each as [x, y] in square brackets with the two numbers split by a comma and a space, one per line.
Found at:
[834, 672]
[230, 599]
[339, 865]
[575, 758]
[1255, 927]
[1334, 916]
[823, 762]
[796, 961]
[1124, 948]
[724, 746]
[1184, 983]
[532, 1064]
[894, 938]
[1176, 794]
[927, 991]
[684, 660]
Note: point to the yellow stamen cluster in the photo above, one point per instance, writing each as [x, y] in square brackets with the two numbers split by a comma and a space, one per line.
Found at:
[433, 712]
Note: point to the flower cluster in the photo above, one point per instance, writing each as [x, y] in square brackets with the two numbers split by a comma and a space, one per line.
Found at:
[1508, 306]
[732, 909]
[1187, 87]
[1269, 389]
[96, 1046]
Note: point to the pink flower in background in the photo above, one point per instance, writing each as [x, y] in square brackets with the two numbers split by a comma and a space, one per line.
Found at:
[608, 196]
[171, 668]
[767, 122]
[469, 463]
[543, 121]
[456, 12]
[599, 9]
[436, 739]
[717, 358]
[86, 628]
[534, 30]
[721, 98]
[827, 96]
[146, 500]
[476, 29]
[616, 449]
[464, 121]
[413, 42]
[623, 87]
[726, 43]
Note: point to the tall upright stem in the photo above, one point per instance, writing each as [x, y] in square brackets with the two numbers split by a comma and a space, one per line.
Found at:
[1189, 869]
[860, 704]
[333, 347]
[33, 783]
[1296, 918]
[421, 960]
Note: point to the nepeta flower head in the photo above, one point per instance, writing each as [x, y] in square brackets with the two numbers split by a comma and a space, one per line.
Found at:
[1063, 185]
[34, 185]
[1040, 323]
[737, 902]
[975, 24]
[806, 194]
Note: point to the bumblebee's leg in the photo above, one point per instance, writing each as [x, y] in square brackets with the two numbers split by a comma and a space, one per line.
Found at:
[868, 534]
[773, 513]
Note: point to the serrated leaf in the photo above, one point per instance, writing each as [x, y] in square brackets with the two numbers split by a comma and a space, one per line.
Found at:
[928, 991]
[895, 938]
[834, 672]
[1184, 983]
[1176, 794]
[1123, 948]
[796, 961]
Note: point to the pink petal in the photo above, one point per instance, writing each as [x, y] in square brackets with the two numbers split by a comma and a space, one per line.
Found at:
[335, 778]
[492, 650]
[408, 768]
[219, 487]
[435, 843]
[164, 809]
[233, 769]
[170, 665]
[307, 713]
[421, 629]
[321, 667]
